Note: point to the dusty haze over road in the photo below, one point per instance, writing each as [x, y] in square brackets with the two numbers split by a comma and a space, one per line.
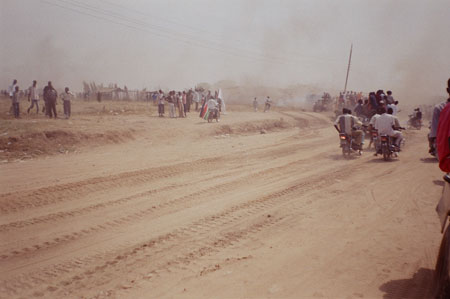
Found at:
[398, 45]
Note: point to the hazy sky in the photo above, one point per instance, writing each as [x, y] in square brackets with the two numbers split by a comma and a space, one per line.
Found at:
[403, 45]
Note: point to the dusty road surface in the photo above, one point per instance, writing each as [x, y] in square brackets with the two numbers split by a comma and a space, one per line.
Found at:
[260, 205]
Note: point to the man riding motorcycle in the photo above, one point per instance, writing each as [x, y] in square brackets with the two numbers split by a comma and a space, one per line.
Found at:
[213, 110]
[416, 118]
[387, 124]
[345, 123]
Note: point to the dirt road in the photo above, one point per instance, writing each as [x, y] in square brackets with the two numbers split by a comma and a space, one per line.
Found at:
[196, 210]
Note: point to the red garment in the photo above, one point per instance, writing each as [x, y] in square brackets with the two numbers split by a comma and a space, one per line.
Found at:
[442, 142]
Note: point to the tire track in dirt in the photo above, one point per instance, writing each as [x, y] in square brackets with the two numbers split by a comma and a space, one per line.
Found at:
[170, 206]
[18, 201]
[289, 150]
[209, 224]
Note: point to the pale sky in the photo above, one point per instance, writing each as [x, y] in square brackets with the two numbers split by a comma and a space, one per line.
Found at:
[402, 45]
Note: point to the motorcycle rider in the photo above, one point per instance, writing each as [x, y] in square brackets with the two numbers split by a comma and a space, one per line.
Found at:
[213, 107]
[372, 128]
[416, 118]
[346, 122]
[386, 124]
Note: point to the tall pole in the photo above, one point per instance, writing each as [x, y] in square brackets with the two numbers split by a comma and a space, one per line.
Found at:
[348, 68]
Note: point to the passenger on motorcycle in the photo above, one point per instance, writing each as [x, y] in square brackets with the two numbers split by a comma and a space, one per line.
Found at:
[346, 123]
[386, 124]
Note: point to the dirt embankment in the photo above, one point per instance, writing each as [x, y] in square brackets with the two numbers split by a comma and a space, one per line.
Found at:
[48, 142]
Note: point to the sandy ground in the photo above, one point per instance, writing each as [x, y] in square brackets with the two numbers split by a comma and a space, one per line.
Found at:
[185, 209]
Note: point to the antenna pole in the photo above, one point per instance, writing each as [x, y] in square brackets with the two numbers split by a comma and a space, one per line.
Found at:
[348, 68]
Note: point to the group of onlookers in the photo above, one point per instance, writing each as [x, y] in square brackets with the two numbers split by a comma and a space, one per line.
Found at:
[181, 102]
[49, 94]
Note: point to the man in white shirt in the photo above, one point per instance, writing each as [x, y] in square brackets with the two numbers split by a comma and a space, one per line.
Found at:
[385, 125]
[33, 95]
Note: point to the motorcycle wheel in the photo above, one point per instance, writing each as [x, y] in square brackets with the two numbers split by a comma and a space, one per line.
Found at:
[345, 152]
[386, 155]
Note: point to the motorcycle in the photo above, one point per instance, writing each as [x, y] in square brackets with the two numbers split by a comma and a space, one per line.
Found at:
[442, 275]
[214, 114]
[374, 135]
[414, 122]
[388, 148]
[348, 146]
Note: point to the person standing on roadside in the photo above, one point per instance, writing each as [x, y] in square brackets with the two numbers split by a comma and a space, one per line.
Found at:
[171, 101]
[11, 90]
[67, 97]
[180, 105]
[267, 104]
[33, 96]
[15, 102]
[255, 105]
[184, 102]
[161, 103]
[50, 96]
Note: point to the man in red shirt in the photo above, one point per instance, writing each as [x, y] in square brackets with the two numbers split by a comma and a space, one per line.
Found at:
[443, 135]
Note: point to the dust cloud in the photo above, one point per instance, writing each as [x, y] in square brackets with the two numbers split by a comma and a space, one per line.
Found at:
[399, 46]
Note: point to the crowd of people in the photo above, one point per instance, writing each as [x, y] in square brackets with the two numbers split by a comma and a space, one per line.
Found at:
[181, 102]
[378, 111]
[49, 95]
[367, 106]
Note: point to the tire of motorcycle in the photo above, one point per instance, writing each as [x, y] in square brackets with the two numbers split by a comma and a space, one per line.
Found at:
[346, 151]
[386, 155]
